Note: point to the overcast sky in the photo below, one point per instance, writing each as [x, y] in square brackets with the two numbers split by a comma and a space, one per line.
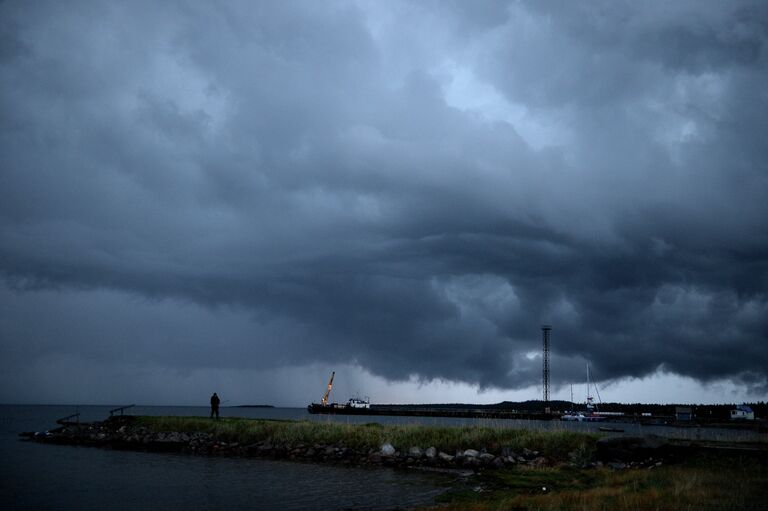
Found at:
[246, 196]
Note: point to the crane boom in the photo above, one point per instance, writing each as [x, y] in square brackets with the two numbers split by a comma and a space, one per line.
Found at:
[324, 401]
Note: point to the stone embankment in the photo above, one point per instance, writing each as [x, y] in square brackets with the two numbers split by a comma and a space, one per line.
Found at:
[120, 433]
[123, 433]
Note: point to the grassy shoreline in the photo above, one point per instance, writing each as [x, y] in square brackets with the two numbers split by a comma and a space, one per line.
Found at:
[556, 445]
[702, 482]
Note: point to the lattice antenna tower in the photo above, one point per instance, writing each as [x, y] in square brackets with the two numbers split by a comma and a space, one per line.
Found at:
[545, 333]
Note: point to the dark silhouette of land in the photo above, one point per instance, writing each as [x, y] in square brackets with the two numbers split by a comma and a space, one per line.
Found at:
[708, 412]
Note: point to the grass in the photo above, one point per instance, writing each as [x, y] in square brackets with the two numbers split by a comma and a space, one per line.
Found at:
[710, 484]
[371, 436]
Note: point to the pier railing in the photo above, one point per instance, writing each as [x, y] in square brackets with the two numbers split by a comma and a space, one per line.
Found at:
[64, 420]
[120, 409]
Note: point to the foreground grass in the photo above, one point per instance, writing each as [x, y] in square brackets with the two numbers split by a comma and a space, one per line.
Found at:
[245, 431]
[711, 484]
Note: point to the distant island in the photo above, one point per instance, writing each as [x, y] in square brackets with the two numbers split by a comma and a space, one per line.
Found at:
[253, 406]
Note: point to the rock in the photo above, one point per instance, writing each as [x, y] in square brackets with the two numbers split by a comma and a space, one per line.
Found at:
[616, 465]
[445, 457]
[374, 458]
[330, 451]
[510, 460]
[486, 457]
[497, 462]
[431, 453]
[415, 452]
[471, 461]
[471, 453]
[527, 453]
[387, 449]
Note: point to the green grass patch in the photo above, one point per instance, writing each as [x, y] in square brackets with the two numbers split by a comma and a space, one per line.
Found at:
[445, 438]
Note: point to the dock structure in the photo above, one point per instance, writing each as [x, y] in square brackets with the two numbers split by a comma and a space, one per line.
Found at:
[408, 411]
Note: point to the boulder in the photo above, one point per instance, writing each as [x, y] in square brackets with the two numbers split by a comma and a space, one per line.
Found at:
[387, 449]
[445, 457]
[431, 453]
[471, 461]
[471, 453]
[415, 452]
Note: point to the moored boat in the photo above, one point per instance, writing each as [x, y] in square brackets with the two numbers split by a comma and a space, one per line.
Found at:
[591, 415]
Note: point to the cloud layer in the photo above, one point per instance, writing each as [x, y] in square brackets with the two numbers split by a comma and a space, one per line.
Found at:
[410, 187]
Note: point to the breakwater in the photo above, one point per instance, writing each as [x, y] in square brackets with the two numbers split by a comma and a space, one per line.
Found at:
[438, 448]
[368, 444]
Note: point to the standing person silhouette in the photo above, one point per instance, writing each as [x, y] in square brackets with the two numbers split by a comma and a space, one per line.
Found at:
[215, 405]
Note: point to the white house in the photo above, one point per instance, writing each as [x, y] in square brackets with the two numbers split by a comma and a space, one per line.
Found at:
[742, 412]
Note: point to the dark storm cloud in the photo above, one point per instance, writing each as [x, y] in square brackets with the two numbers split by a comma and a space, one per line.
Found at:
[299, 161]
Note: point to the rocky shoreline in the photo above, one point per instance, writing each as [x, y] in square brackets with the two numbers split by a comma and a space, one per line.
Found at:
[122, 433]
[125, 434]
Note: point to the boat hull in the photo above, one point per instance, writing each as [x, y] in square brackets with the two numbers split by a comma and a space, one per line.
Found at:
[338, 409]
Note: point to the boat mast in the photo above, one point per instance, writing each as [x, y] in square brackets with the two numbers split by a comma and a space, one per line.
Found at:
[589, 398]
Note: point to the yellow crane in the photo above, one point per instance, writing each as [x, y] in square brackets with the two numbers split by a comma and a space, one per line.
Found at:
[324, 401]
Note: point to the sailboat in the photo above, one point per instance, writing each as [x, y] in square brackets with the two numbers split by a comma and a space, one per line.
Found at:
[591, 414]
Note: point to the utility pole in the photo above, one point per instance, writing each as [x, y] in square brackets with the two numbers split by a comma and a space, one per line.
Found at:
[545, 331]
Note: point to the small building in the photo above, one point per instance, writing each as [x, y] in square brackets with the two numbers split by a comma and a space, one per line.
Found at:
[742, 413]
[683, 413]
